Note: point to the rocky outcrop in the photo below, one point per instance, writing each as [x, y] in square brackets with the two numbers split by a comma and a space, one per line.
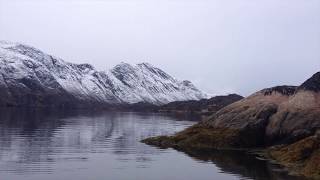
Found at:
[279, 115]
[239, 125]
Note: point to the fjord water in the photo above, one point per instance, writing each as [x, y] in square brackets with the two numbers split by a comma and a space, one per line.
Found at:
[57, 144]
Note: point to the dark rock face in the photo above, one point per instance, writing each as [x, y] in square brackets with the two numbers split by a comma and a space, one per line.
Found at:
[285, 90]
[312, 84]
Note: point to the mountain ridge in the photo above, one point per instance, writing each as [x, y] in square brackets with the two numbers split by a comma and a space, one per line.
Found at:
[28, 73]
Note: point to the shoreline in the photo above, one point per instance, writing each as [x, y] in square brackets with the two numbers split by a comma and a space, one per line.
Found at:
[291, 157]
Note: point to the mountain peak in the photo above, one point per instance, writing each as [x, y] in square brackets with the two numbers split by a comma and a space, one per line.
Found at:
[123, 68]
[25, 50]
[154, 83]
[15, 45]
[123, 64]
[312, 84]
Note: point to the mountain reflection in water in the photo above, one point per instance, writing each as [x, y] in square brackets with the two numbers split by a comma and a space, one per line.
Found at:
[64, 144]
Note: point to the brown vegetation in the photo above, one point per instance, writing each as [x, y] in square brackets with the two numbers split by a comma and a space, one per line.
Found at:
[302, 157]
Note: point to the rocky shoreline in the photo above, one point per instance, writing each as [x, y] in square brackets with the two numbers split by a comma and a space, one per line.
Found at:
[300, 159]
[283, 121]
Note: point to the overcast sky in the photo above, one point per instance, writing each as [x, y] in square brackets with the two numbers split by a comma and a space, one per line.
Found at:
[223, 46]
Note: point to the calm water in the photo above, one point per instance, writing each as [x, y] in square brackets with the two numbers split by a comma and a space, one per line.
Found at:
[51, 145]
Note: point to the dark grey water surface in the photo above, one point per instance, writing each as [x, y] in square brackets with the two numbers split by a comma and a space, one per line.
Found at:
[58, 145]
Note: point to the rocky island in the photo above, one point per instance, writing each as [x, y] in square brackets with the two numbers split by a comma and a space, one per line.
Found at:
[283, 121]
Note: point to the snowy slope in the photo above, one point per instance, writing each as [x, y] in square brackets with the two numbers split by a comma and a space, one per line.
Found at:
[31, 74]
[151, 84]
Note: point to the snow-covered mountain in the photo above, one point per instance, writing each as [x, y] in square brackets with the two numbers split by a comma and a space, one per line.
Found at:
[30, 77]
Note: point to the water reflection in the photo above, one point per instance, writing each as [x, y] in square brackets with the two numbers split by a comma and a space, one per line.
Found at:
[242, 163]
[55, 144]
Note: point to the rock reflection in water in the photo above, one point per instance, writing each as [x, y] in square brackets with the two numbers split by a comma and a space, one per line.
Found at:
[242, 163]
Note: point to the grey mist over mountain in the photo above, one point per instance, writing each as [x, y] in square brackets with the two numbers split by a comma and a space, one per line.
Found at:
[222, 46]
